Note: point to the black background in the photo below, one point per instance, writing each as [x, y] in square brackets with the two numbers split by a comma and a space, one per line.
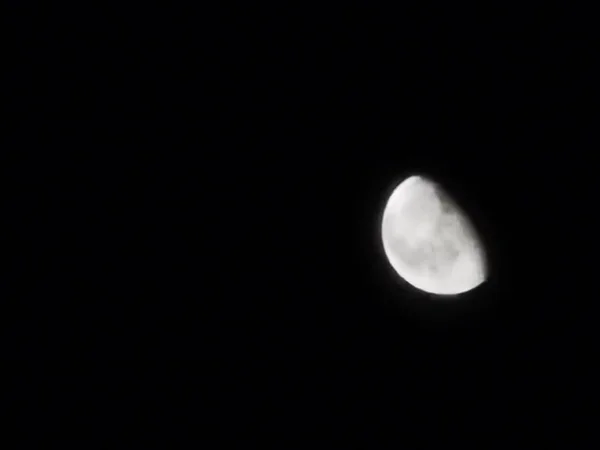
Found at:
[192, 201]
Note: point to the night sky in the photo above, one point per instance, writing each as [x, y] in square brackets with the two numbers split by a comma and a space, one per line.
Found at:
[193, 200]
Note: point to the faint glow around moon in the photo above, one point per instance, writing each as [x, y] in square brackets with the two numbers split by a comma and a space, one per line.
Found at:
[429, 241]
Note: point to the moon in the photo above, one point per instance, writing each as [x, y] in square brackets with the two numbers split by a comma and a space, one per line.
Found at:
[429, 241]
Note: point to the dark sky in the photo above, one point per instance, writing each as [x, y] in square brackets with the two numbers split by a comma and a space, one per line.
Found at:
[193, 201]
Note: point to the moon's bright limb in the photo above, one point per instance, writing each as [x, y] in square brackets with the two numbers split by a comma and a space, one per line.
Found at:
[429, 241]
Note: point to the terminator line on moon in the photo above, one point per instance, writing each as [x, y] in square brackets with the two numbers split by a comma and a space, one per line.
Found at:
[429, 241]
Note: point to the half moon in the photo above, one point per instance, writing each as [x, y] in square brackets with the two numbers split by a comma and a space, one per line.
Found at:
[429, 241]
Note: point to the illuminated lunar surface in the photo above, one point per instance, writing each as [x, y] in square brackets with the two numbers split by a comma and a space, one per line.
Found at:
[429, 241]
